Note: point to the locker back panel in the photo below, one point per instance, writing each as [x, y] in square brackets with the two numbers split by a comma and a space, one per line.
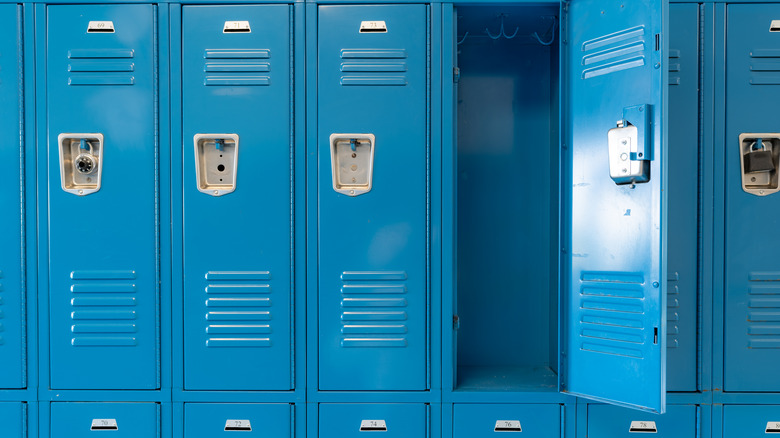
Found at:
[606, 421]
[96, 420]
[390, 420]
[745, 421]
[12, 291]
[103, 246]
[682, 291]
[372, 247]
[211, 420]
[237, 247]
[12, 414]
[487, 420]
[752, 274]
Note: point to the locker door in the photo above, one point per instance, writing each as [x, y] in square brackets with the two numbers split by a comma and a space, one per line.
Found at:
[752, 271]
[103, 206]
[372, 153]
[247, 420]
[12, 414]
[614, 220]
[12, 369]
[237, 238]
[97, 420]
[679, 421]
[682, 290]
[358, 420]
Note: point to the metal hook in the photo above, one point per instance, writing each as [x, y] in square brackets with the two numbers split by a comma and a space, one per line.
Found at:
[502, 31]
[552, 37]
[462, 40]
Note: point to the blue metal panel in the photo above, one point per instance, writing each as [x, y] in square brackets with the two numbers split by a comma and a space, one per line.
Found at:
[679, 421]
[118, 420]
[615, 263]
[12, 291]
[237, 247]
[682, 291]
[211, 420]
[746, 421]
[485, 420]
[356, 420]
[752, 274]
[103, 270]
[12, 414]
[372, 247]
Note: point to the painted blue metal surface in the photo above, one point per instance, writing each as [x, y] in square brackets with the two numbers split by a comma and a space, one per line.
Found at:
[103, 247]
[237, 247]
[679, 421]
[208, 420]
[12, 286]
[119, 420]
[614, 259]
[372, 247]
[752, 269]
[684, 164]
[12, 415]
[353, 420]
[750, 421]
[485, 420]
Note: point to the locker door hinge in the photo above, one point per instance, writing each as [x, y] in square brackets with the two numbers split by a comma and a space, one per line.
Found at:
[455, 74]
[455, 322]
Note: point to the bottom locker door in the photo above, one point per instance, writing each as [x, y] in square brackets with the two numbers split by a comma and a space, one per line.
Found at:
[12, 420]
[390, 420]
[104, 420]
[238, 420]
[485, 420]
[605, 421]
[751, 421]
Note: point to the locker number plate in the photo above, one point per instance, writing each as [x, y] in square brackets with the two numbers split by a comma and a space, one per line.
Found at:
[373, 426]
[773, 427]
[100, 26]
[643, 427]
[238, 425]
[508, 426]
[104, 424]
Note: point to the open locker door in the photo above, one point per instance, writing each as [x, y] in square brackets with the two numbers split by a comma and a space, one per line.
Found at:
[614, 207]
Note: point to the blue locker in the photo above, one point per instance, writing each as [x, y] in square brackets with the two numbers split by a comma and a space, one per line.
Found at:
[487, 420]
[750, 421]
[682, 249]
[103, 190]
[237, 230]
[261, 420]
[615, 204]
[117, 420]
[392, 420]
[13, 417]
[12, 287]
[372, 197]
[752, 271]
[679, 421]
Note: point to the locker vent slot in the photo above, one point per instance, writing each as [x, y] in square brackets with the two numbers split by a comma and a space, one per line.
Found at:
[373, 67]
[373, 309]
[237, 68]
[103, 309]
[238, 426]
[674, 67]
[238, 309]
[615, 52]
[765, 67]
[611, 313]
[672, 313]
[643, 427]
[772, 427]
[763, 331]
[508, 426]
[100, 67]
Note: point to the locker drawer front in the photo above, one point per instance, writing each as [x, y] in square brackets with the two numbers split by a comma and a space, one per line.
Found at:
[12, 417]
[486, 420]
[209, 420]
[364, 420]
[94, 420]
[747, 421]
[606, 421]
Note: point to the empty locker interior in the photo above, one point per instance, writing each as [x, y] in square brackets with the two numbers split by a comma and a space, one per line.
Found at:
[507, 167]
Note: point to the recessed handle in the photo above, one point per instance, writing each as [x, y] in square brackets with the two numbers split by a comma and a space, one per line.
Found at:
[373, 426]
[373, 27]
[238, 426]
[104, 424]
[773, 427]
[236, 27]
[100, 27]
[774, 26]
[508, 426]
[643, 427]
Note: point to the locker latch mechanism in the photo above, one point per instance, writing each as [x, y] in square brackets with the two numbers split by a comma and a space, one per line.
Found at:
[352, 163]
[81, 162]
[216, 163]
[759, 161]
[630, 148]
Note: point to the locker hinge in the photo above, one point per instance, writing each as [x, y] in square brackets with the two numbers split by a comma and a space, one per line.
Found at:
[455, 322]
[455, 74]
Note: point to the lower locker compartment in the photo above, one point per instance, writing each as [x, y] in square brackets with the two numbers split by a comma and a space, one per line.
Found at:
[750, 421]
[606, 421]
[486, 420]
[211, 420]
[352, 420]
[105, 420]
[12, 420]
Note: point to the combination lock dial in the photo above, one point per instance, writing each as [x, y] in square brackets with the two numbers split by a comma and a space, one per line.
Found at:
[85, 163]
